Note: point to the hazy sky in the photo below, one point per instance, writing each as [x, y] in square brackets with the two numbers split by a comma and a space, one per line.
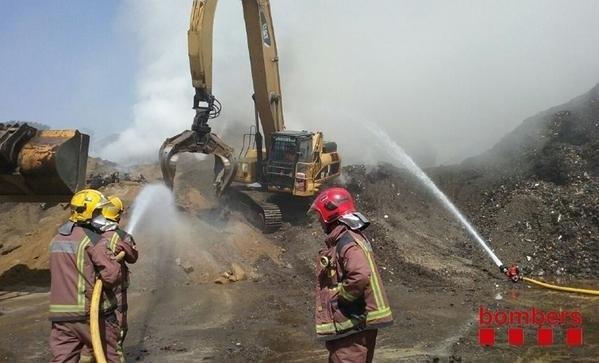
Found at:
[449, 76]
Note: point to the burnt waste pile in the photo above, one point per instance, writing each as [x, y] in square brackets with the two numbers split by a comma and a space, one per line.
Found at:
[534, 196]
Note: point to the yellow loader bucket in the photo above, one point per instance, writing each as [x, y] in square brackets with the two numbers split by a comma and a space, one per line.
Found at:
[41, 165]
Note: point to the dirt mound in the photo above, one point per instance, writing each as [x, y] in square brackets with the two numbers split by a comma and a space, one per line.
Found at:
[558, 145]
[536, 193]
[546, 228]
[418, 241]
[27, 229]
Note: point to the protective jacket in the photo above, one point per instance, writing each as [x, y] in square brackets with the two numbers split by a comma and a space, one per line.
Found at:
[350, 296]
[119, 240]
[78, 255]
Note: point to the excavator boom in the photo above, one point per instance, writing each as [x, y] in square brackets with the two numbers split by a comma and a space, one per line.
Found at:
[267, 90]
[200, 138]
[199, 44]
[264, 60]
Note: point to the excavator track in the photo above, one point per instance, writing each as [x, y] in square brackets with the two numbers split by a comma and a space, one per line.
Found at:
[256, 208]
[271, 217]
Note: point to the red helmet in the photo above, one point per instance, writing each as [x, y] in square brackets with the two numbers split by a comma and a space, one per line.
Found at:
[333, 203]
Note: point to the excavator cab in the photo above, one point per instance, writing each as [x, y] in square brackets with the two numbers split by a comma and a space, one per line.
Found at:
[299, 162]
[286, 150]
[41, 165]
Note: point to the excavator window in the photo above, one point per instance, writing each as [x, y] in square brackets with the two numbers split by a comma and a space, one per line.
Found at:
[305, 151]
[284, 149]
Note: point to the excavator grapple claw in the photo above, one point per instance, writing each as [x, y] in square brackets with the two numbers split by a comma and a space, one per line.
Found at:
[184, 142]
[225, 165]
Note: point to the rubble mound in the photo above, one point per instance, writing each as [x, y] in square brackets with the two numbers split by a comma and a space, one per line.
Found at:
[559, 145]
[536, 193]
[544, 208]
[548, 229]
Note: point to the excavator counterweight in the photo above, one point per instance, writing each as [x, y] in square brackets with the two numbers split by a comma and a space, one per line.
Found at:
[41, 165]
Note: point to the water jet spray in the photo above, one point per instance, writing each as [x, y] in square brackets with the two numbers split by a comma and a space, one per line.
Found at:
[400, 156]
[512, 272]
[150, 195]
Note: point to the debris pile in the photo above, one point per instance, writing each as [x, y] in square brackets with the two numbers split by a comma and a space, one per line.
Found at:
[546, 209]
[535, 195]
[102, 173]
[186, 266]
[235, 273]
[96, 181]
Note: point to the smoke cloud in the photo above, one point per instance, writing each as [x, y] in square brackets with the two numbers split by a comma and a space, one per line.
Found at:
[445, 79]
[163, 92]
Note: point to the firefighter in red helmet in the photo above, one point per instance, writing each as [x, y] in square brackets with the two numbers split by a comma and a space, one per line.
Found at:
[351, 302]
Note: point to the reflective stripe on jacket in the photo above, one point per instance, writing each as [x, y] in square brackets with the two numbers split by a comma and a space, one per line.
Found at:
[119, 240]
[349, 292]
[77, 256]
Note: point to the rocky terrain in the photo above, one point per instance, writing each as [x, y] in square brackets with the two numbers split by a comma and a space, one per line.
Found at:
[536, 193]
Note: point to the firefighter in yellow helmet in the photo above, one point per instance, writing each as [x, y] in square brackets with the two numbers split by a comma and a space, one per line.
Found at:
[84, 203]
[114, 210]
[119, 240]
[78, 255]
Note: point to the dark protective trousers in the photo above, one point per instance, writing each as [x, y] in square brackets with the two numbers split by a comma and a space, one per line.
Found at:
[69, 339]
[121, 318]
[355, 348]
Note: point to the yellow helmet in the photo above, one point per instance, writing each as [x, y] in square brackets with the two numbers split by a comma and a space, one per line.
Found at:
[84, 203]
[113, 210]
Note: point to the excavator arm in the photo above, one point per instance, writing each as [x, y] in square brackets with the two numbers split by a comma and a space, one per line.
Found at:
[264, 60]
[200, 138]
[267, 90]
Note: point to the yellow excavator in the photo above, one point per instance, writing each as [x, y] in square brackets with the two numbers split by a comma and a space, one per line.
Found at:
[274, 165]
[41, 165]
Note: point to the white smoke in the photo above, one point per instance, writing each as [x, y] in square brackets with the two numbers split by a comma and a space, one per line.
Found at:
[447, 80]
[164, 94]
[164, 90]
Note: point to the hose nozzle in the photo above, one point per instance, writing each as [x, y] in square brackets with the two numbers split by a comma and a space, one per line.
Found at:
[512, 272]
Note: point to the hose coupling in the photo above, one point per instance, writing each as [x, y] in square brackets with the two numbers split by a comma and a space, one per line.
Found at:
[512, 272]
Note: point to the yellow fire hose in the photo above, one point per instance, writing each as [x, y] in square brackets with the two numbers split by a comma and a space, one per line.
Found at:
[560, 288]
[94, 318]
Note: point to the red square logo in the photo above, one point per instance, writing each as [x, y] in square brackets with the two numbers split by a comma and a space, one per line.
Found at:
[515, 336]
[486, 336]
[574, 337]
[545, 336]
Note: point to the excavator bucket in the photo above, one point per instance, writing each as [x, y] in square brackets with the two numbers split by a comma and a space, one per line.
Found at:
[41, 165]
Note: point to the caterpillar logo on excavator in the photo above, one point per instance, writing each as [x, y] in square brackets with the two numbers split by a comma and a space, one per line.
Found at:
[274, 164]
[265, 30]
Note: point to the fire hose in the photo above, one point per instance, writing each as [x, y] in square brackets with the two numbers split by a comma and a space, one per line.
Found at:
[513, 273]
[94, 317]
[561, 288]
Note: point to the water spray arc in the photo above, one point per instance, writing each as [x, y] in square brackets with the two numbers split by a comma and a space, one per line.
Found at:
[400, 156]
[149, 196]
